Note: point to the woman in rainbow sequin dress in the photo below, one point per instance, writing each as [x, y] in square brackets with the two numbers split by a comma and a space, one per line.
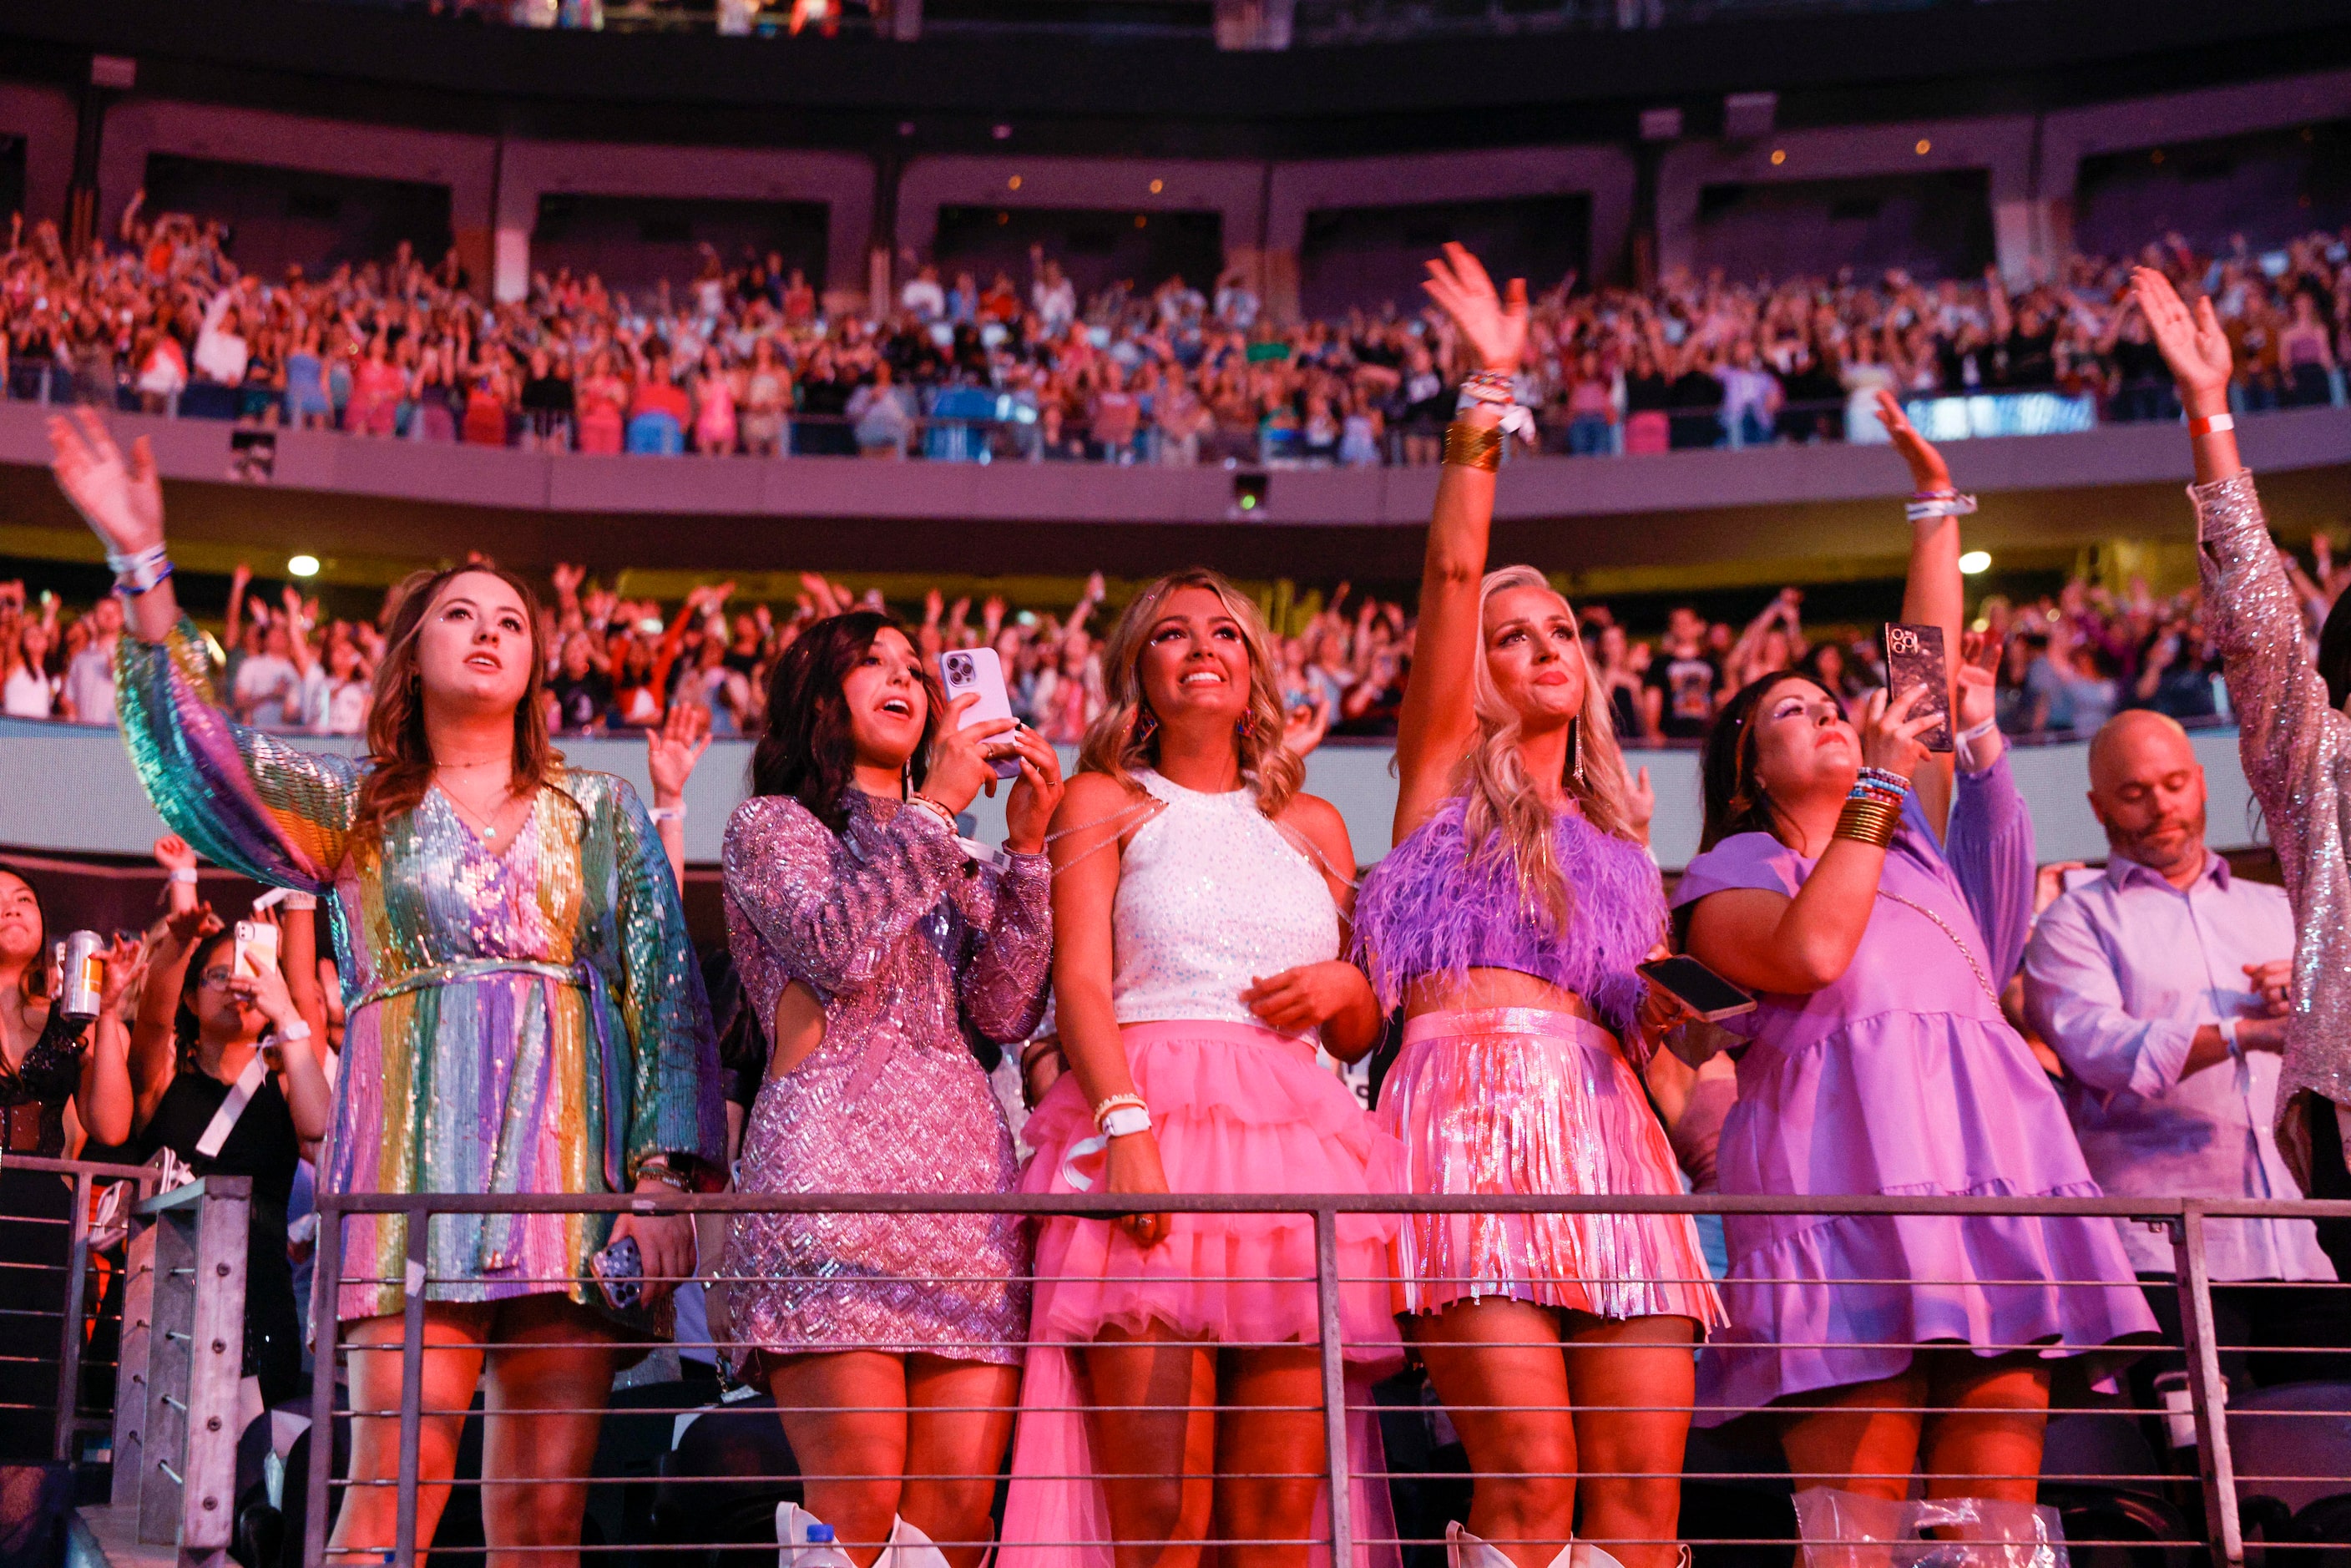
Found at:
[525, 1012]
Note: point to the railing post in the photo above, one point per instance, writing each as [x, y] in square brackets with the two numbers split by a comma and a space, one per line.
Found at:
[69, 1349]
[1334, 1386]
[2208, 1392]
[412, 1383]
[195, 1350]
[326, 1298]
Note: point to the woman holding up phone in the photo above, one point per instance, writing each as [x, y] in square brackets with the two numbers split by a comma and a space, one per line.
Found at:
[1507, 924]
[1878, 1062]
[226, 1068]
[871, 939]
[511, 946]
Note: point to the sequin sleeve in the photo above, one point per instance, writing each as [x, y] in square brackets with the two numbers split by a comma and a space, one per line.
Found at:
[831, 916]
[676, 1104]
[1003, 978]
[2288, 734]
[242, 798]
[1990, 852]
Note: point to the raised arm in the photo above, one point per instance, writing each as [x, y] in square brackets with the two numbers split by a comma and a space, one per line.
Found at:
[2290, 735]
[1437, 722]
[1932, 594]
[1010, 960]
[243, 799]
[1988, 843]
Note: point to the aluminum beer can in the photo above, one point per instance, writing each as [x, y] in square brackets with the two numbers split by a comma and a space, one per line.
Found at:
[83, 974]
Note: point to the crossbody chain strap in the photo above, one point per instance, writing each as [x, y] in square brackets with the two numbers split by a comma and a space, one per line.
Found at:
[1956, 941]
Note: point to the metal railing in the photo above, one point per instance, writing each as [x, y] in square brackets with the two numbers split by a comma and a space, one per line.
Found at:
[77, 1320]
[2216, 1479]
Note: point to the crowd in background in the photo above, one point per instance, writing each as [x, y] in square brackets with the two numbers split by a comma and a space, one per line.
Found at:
[621, 663]
[749, 358]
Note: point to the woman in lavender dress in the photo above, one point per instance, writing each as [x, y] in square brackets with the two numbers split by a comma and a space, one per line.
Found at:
[871, 939]
[1878, 1062]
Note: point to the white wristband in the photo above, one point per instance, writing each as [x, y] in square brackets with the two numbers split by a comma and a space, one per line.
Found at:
[1125, 1120]
[668, 814]
[187, 873]
[294, 1034]
[2228, 1027]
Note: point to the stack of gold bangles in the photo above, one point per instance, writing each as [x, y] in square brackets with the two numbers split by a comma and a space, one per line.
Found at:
[1474, 446]
[1873, 811]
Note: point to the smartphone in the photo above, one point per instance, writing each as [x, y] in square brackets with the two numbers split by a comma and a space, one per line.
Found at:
[1913, 657]
[967, 671]
[620, 1271]
[1697, 987]
[256, 949]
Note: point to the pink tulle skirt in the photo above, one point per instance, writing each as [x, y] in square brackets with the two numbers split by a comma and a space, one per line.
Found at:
[1235, 1109]
[1534, 1101]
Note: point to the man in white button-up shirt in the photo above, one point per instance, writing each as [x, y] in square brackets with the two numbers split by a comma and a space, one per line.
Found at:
[2161, 984]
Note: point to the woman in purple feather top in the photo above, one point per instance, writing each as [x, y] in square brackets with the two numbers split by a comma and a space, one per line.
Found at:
[1506, 924]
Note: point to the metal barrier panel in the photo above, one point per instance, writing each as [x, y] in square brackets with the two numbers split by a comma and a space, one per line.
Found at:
[1735, 1501]
[59, 1366]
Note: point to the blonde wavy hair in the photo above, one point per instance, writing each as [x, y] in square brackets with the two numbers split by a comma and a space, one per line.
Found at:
[1504, 815]
[1125, 737]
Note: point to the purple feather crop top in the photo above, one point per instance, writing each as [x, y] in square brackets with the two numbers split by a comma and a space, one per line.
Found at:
[1429, 908]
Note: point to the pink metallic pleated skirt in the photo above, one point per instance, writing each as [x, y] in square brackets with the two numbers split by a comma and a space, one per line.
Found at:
[1537, 1102]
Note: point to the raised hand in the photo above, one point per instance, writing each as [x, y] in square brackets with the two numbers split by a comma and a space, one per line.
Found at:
[173, 853]
[2193, 342]
[1494, 324]
[1928, 473]
[1036, 794]
[1975, 678]
[1641, 804]
[121, 499]
[671, 750]
[1890, 731]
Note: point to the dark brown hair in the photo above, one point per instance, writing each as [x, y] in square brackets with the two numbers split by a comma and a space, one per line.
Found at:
[806, 749]
[35, 985]
[402, 760]
[1734, 803]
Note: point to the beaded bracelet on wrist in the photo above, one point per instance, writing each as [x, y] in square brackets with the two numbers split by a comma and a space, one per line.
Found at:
[1886, 777]
[1924, 504]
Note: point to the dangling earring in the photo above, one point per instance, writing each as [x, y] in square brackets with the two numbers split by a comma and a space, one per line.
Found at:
[1146, 724]
[1247, 726]
[1575, 749]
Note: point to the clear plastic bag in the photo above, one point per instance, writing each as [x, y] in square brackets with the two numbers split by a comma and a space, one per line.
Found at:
[1846, 1530]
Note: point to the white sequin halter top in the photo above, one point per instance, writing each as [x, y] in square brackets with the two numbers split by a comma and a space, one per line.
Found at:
[1211, 896]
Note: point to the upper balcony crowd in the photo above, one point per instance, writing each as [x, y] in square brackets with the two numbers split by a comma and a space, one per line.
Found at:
[748, 358]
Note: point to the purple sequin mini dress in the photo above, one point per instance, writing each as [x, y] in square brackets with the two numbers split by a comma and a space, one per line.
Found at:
[906, 940]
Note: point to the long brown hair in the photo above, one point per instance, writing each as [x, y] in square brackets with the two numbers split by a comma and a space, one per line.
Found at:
[402, 759]
[1503, 809]
[1126, 737]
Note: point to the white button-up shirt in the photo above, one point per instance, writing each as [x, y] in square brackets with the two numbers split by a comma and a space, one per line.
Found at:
[2120, 973]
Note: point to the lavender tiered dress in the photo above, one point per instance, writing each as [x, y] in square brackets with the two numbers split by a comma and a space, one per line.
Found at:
[907, 940]
[1903, 1078]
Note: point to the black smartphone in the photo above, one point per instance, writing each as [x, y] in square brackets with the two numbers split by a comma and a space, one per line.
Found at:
[1697, 987]
[1915, 657]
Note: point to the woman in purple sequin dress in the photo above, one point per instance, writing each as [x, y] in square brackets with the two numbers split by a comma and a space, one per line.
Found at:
[875, 943]
[1878, 1062]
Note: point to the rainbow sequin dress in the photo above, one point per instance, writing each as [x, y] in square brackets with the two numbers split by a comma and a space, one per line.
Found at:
[524, 1020]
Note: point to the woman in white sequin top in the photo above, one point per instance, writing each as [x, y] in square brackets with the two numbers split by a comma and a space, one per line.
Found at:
[1200, 903]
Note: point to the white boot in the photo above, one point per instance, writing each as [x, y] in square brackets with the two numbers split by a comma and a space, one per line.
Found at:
[909, 1548]
[1463, 1549]
[804, 1541]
